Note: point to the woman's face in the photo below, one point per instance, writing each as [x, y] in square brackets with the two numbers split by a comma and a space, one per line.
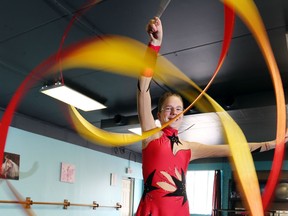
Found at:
[171, 107]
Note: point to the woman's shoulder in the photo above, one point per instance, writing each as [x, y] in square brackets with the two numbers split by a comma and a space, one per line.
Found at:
[147, 141]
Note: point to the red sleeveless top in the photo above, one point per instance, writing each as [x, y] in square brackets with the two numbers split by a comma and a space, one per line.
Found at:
[164, 177]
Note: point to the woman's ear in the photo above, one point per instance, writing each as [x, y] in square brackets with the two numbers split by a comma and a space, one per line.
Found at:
[158, 115]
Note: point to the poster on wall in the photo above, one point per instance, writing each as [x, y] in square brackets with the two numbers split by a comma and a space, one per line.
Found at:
[10, 166]
[67, 173]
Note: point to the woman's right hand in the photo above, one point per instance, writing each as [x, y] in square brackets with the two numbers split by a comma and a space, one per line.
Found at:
[155, 31]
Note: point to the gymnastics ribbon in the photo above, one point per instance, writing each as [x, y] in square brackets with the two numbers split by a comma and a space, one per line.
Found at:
[95, 133]
[232, 127]
[247, 10]
[84, 50]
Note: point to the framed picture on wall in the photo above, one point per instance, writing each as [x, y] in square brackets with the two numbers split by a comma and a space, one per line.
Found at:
[67, 173]
[10, 166]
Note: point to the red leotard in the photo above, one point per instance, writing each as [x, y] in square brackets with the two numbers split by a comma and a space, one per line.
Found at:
[162, 169]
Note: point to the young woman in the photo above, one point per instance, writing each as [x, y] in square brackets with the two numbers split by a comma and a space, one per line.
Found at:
[165, 156]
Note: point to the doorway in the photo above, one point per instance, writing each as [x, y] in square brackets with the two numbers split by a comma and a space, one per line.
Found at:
[127, 196]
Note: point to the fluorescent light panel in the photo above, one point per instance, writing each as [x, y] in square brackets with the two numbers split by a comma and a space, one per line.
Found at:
[69, 96]
[138, 130]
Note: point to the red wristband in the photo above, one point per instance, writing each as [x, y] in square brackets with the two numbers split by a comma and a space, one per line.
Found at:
[155, 48]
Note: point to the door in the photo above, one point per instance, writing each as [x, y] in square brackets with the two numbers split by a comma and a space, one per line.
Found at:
[127, 196]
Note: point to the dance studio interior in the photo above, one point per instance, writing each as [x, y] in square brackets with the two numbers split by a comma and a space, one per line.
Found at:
[67, 161]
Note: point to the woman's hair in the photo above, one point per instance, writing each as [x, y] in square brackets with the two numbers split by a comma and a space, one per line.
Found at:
[165, 96]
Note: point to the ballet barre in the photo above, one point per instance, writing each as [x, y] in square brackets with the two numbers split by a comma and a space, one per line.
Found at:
[28, 203]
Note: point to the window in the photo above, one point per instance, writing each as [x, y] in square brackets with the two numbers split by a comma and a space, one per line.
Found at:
[199, 186]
